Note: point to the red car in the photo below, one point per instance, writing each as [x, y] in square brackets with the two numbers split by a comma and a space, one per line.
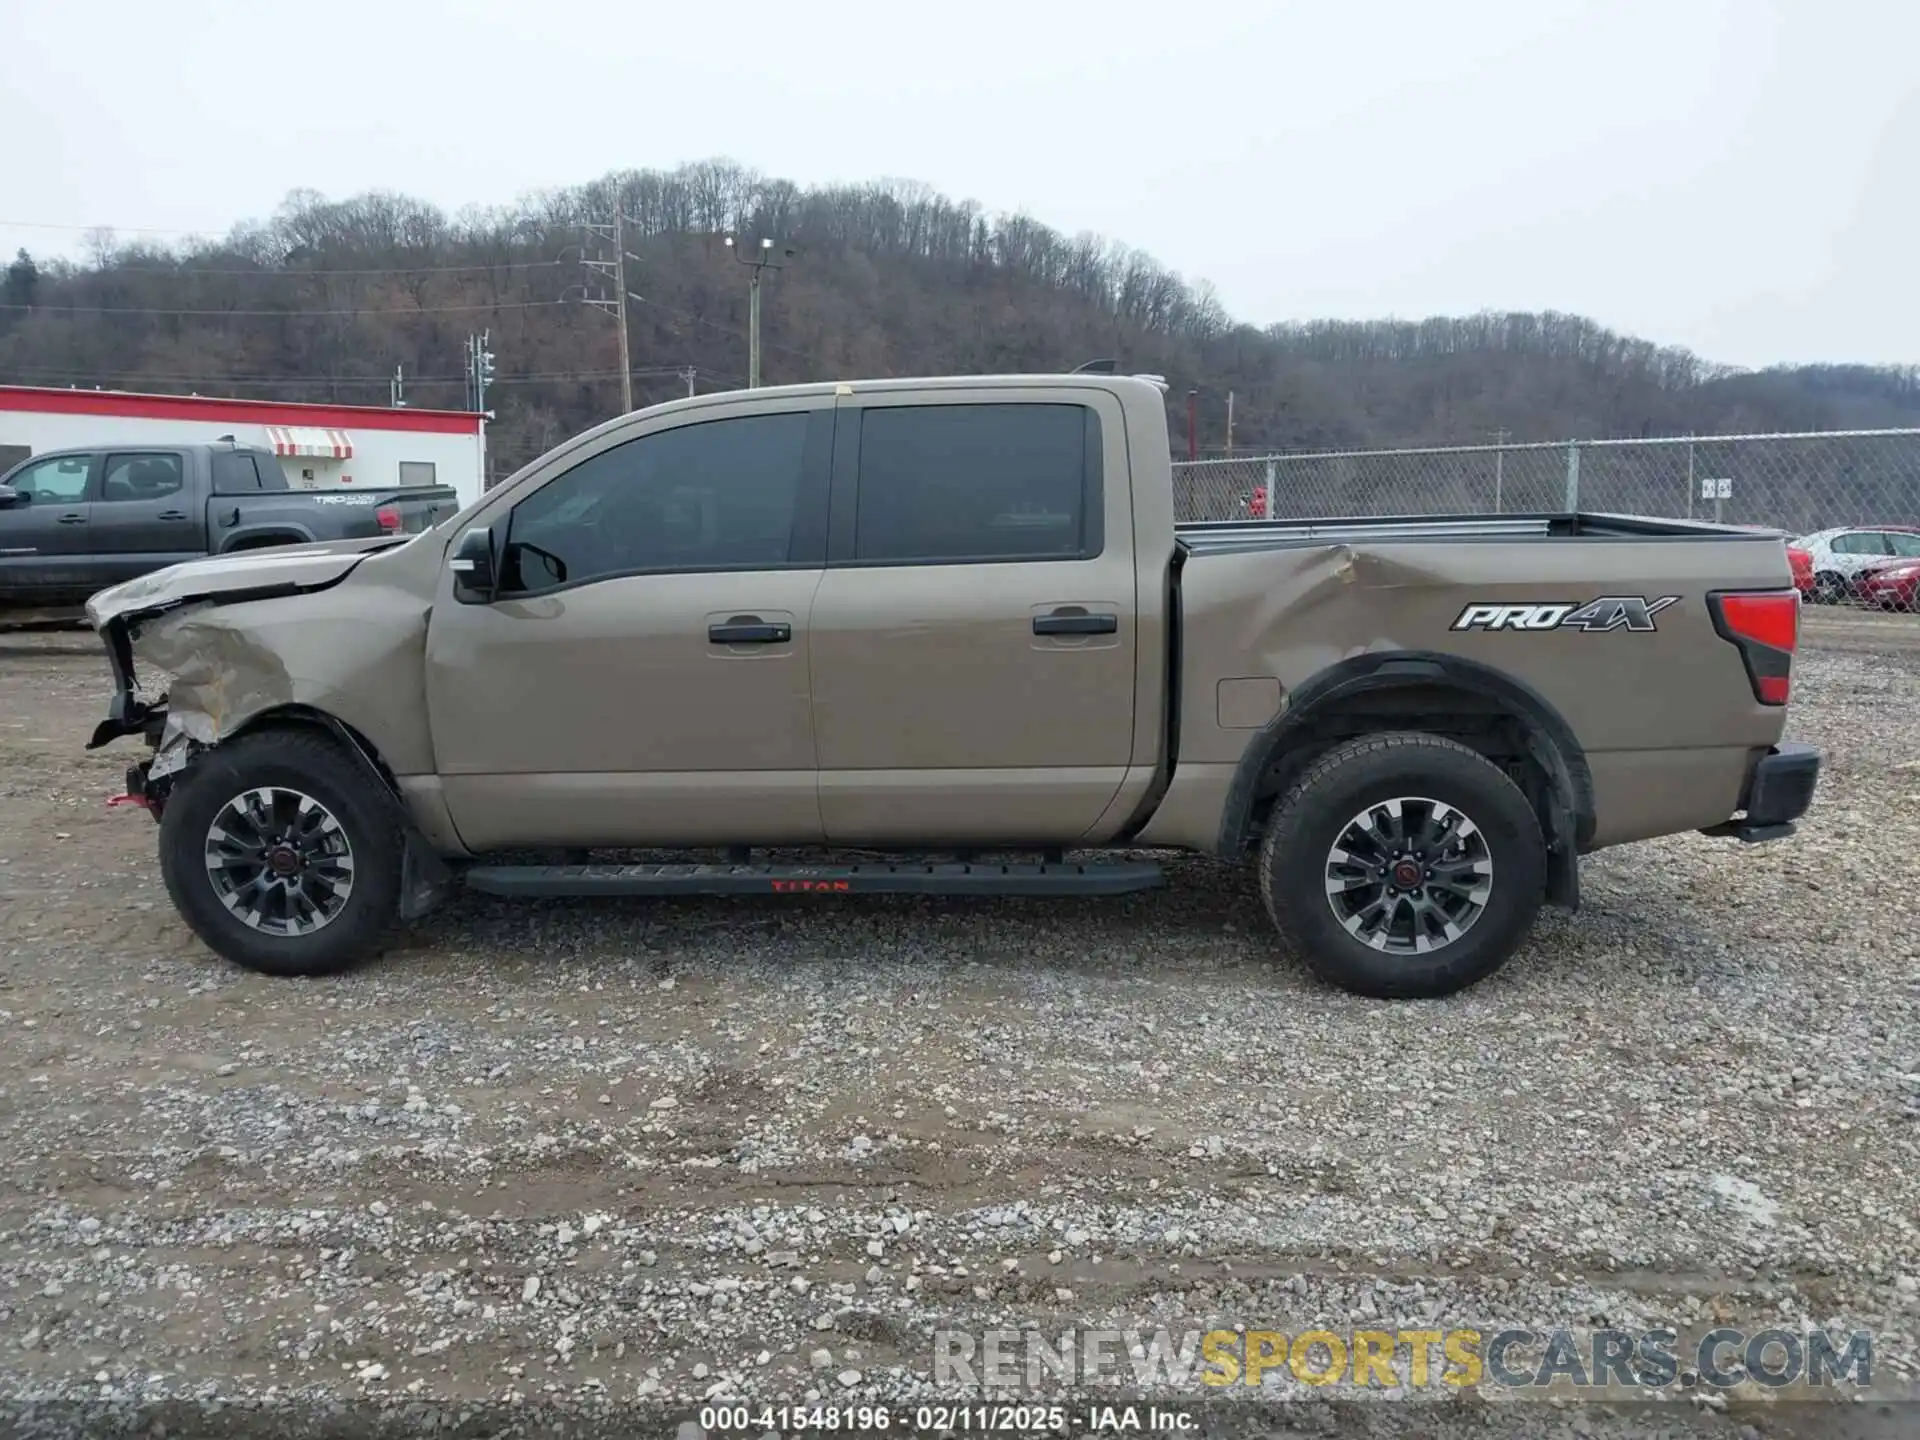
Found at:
[1802, 563]
[1895, 585]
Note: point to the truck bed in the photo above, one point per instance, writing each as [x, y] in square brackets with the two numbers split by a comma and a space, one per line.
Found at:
[1603, 623]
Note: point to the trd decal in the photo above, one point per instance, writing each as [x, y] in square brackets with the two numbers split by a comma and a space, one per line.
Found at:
[1609, 612]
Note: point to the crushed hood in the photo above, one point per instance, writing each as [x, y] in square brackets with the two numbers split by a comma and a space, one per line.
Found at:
[283, 570]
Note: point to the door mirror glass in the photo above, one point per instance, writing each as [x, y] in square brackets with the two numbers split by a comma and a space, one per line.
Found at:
[10, 497]
[472, 564]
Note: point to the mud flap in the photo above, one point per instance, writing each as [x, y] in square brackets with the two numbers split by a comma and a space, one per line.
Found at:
[1563, 856]
[425, 879]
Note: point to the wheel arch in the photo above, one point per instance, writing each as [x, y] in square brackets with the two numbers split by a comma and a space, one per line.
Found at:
[261, 537]
[1411, 690]
[425, 876]
[313, 717]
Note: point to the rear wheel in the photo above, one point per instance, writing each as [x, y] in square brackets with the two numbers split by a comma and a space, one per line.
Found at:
[1403, 866]
[282, 855]
[1829, 588]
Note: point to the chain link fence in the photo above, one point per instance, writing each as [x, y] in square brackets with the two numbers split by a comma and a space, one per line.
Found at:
[1855, 480]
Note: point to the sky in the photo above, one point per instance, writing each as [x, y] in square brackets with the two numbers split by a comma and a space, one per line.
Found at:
[1740, 177]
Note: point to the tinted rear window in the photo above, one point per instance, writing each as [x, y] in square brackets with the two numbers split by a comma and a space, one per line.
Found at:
[978, 482]
[233, 471]
[272, 477]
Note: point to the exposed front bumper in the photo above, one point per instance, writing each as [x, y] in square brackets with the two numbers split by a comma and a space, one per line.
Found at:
[1779, 791]
[126, 715]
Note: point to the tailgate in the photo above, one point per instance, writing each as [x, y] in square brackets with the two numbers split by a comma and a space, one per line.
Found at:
[411, 512]
[389, 512]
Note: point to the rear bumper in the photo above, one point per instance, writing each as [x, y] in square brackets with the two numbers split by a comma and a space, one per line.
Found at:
[1779, 791]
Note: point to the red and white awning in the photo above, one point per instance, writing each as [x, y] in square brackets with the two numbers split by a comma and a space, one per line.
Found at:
[309, 440]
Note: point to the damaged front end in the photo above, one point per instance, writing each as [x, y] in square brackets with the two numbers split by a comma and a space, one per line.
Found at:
[186, 717]
[203, 652]
[128, 714]
[208, 686]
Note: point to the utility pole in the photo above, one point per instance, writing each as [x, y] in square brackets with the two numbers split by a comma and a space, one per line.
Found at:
[479, 370]
[689, 374]
[616, 271]
[1499, 465]
[620, 289]
[1229, 424]
[1193, 424]
[758, 260]
[397, 388]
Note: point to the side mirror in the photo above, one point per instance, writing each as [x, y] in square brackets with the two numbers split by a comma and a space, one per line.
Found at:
[472, 564]
[9, 497]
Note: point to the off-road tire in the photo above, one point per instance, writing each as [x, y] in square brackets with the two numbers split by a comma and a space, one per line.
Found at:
[313, 764]
[1307, 820]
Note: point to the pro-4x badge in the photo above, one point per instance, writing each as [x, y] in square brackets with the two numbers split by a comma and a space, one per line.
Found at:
[1609, 612]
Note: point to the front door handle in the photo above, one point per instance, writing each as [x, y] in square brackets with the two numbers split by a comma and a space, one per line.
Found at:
[1075, 622]
[173, 514]
[72, 519]
[749, 630]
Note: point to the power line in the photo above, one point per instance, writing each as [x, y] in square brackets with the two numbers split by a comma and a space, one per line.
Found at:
[288, 314]
[734, 330]
[64, 379]
[292, 274]
[65, 374]
[716, 325]
[135, 229]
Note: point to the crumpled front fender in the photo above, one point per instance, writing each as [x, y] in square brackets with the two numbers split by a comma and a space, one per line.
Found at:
[221, 675]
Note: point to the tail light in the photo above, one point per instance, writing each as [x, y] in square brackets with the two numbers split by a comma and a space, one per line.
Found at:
[1765, 624]
[388, 518]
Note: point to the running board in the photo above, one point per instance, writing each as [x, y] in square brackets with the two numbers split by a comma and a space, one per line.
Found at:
[536, 881]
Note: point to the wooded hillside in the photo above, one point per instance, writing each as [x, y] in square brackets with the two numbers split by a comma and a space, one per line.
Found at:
[323, 300]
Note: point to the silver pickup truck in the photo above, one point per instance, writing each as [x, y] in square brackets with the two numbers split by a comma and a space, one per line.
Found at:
[953, 621]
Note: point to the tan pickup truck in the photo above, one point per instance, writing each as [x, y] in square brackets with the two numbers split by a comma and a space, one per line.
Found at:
[952, 621]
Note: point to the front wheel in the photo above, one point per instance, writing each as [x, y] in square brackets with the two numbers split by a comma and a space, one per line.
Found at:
[1403, 866]
[282, 855]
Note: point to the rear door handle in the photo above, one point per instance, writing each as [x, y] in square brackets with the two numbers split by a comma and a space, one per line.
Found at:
[73, 519]
[1079, 623]
[749, 630]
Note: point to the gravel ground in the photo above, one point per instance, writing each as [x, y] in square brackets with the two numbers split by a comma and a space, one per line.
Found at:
[567, 1157]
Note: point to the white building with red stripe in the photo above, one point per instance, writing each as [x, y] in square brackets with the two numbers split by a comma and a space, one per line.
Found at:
[320, 446]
